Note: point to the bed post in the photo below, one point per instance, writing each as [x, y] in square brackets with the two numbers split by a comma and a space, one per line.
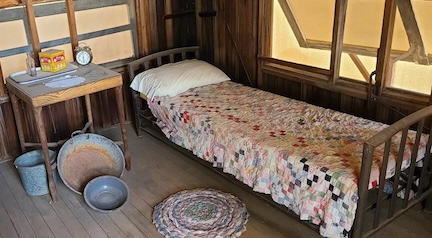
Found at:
[136, 101]
[137, 105]
[368, 151]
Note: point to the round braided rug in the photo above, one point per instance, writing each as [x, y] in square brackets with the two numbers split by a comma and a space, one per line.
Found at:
[201, 213]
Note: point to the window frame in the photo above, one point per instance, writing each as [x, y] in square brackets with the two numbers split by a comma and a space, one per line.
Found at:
[58, 7]
[332, 79]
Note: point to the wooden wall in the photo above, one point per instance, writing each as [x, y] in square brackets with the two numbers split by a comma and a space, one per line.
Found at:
[236, 49]
[230, 39]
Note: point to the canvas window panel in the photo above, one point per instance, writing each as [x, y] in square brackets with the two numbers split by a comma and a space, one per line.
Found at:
[13, 35]
[102, 18]
[111, 47]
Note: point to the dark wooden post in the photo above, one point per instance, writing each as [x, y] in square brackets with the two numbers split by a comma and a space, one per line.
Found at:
[70, 9]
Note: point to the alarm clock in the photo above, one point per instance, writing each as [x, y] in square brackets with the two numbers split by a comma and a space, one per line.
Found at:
[83, 54]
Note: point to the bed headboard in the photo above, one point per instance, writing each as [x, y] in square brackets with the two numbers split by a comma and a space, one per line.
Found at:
[160, 58]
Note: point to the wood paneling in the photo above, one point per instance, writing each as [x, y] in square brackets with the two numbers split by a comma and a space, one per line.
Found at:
[9, 138]
[234, 39]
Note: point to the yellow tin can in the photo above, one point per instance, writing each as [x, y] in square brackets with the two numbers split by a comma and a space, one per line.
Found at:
[52, 60]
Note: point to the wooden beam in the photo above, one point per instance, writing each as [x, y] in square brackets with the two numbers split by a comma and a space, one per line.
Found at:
[33, 29]
[413, 32]
[265, 23]
[169, 28]
[153, 25]
[14, 3]
[384, 65]
[337, 39]
[9, 3]
[359, 50]
[199, 24]
[287, 10]
[360, 66]
[143, 29]
[70, 9]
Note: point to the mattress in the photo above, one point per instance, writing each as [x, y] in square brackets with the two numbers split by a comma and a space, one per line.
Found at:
[305, 157]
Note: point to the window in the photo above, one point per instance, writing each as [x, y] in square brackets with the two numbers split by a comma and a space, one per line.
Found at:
[302, 33]
[105, 26]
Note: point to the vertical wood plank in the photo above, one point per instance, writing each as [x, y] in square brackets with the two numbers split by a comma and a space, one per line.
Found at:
[216, 30]
[70, 10]
[143, 29]
[264, 35]
[384, 65]
[3, 136]
[337, 39]
[199, 25]
[169, 31]
[160, 25]
[153, 26]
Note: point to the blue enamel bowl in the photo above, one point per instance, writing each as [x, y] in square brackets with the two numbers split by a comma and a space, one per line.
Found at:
[106, 193]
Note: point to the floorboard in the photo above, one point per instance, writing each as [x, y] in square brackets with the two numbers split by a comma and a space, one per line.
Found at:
[157, 172]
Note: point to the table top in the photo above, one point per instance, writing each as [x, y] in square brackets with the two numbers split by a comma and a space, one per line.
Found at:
[89, 79]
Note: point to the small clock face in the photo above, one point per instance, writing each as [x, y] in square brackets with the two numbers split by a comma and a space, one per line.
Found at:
[83, 57]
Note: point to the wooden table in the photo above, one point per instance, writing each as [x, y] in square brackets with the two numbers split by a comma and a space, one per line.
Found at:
[38, 95]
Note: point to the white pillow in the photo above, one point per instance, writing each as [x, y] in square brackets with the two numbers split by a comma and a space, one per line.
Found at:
[174, 78]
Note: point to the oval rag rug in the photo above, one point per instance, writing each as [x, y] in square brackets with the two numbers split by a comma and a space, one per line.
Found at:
[201, 213]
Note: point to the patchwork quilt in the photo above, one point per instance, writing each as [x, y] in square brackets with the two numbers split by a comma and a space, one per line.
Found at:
[306, 157]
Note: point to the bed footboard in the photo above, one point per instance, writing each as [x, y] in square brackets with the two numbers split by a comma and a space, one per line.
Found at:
[143, 116]
[377, 205]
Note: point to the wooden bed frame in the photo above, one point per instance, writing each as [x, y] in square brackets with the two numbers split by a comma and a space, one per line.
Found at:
[375, 208]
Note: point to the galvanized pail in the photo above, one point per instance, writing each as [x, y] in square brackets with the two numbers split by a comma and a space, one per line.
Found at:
[31, 168]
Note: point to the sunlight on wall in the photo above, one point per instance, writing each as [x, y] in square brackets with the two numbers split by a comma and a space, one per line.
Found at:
[412, 77]
[12, 34]
[101, 18]
[349, 69]
[12, 64]
[285, 46]
[111, 47]
[52, 27]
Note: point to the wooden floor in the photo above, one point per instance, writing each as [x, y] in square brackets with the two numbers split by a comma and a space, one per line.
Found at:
[157, 171]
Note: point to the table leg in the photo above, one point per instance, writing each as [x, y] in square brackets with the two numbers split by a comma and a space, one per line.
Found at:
[18, 121]
[121, 116]
[89, 112]
[43, 140]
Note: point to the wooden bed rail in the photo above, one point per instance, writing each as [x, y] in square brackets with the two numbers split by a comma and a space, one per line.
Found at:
[137, 64]
[411, 174]
[142, 113]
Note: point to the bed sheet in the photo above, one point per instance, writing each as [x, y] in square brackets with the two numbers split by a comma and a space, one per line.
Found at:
[306, 157]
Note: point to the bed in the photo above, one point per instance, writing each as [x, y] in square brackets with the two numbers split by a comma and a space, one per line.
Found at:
[347, 175]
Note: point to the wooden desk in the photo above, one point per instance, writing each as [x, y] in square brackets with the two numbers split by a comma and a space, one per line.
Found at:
[97, 78]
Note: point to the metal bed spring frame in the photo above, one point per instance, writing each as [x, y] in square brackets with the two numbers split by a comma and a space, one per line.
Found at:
[373, 204]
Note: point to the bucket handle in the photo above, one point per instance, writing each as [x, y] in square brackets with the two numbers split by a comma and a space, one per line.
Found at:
[82, 131]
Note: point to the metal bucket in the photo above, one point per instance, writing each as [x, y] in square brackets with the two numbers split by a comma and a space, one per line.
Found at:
[86, 156]
[31, 168]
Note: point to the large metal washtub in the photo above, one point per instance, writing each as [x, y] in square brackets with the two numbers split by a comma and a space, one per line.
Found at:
[86, 156]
